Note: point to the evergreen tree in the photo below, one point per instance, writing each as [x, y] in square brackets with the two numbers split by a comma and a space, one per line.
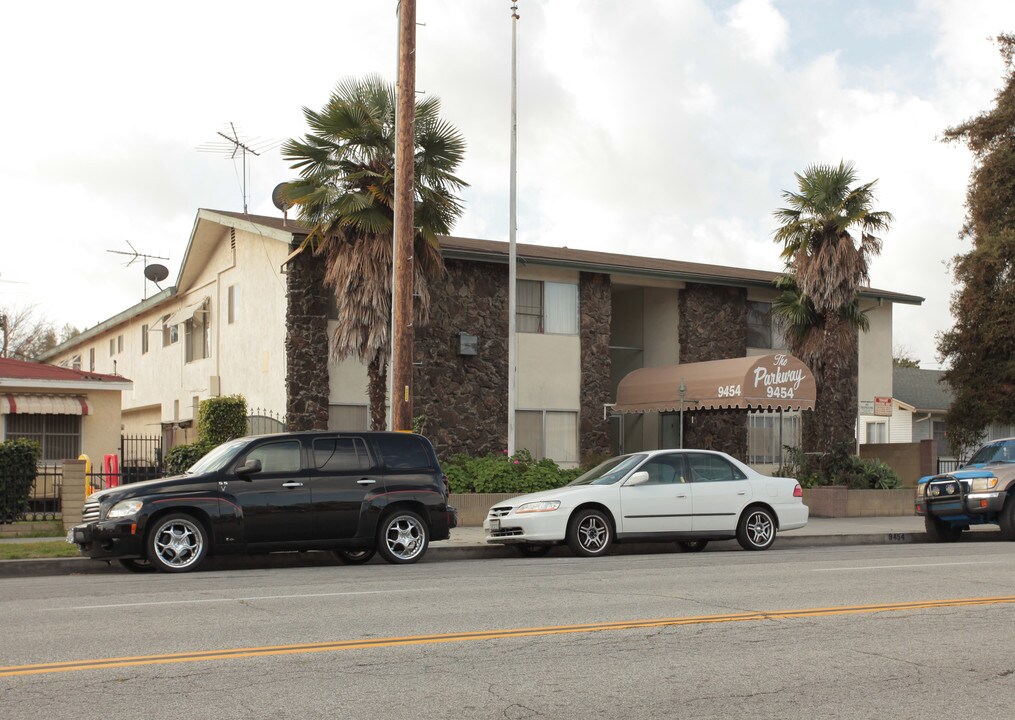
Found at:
[980, 347]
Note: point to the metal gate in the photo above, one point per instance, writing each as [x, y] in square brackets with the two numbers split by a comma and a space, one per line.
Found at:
[141, 458]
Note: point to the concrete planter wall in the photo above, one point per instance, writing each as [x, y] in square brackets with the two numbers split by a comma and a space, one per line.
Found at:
[832, 501]
[839, 501]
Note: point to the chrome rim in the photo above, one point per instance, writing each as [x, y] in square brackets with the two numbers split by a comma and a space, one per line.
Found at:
[760, 530]
[178, 543]
[405, 537]
[593, 534]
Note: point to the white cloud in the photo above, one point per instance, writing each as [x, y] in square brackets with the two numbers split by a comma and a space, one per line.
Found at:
[761, 31]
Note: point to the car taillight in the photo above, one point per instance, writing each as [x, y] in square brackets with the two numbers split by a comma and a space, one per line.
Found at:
[798, 491]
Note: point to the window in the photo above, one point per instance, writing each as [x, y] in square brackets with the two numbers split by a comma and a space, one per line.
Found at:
[944, 446]
[712, 468]
[144, 339]
[766, 436]
[112, 347]
[195, 407]
[877, 432]
[59, 435]
[197, 335]
[340, 454]
[765, 329]
[119, 343]
[170, 333]
[403, 452]
[548, 434]
[91, 360]
[664, 470]
[231, 304]
[279, 457]
[546, 307]
[75, 362]
[348, 418]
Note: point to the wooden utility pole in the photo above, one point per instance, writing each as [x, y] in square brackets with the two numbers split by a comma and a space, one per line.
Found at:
[402, 289]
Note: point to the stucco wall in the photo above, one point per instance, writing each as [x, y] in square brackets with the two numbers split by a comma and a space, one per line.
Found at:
[874, 377]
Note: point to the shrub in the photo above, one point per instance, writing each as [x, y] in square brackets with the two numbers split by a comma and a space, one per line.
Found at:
[18, 461]
[519, 473]
[839, 467]
[219, 420]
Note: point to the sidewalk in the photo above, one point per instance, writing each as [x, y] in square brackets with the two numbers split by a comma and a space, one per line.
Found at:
[468, 543]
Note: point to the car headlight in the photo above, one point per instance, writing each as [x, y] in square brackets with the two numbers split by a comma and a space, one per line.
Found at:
[984, 483]
[125, 508]
[541, 506]
[921, 490]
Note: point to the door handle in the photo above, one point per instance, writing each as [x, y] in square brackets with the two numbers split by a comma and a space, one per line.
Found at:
[366, 481]
[292, 483]
[681, 496]
[741, 493]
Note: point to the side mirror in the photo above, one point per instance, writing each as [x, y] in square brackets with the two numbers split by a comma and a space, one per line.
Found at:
[639, 478]
[249, 468]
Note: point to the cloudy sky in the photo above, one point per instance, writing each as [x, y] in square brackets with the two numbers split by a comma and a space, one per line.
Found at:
[665, 128]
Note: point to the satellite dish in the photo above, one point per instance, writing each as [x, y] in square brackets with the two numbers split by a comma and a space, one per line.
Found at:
[278, 197]
[156, 273]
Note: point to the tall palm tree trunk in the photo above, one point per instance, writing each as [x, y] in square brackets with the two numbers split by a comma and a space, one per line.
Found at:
[830, 352]
[377, 373]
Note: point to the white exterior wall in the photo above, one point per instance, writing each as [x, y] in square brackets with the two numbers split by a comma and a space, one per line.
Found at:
[874, 377]
[549, 366]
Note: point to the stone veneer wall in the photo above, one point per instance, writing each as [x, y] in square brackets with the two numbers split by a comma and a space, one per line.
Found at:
[595, 305]
[713, 326]
[464, 397]
[306, 343]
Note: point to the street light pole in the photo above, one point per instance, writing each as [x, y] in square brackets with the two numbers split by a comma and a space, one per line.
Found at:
[683, 391]
[512, 255]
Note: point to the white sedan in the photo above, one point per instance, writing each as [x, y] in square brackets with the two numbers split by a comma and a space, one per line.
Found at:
[687, 496]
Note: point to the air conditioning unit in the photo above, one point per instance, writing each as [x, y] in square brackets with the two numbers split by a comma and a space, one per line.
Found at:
[215, 385]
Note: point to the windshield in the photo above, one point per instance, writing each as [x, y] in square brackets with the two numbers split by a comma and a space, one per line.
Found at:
[610, 471]
[218, 458]
[998, 452]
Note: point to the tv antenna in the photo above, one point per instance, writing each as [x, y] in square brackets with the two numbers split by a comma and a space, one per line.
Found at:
[152, 271]
[231, 145]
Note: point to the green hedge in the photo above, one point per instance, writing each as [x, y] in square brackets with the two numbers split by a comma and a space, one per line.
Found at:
[518, 473]
[219, 420]
[18, 462]
[839, 467]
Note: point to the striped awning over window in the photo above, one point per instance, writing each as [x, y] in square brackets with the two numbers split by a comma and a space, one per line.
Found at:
[16, 404]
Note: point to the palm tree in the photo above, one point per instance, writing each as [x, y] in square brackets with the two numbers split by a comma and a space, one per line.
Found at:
[828, 235]
[345, 195]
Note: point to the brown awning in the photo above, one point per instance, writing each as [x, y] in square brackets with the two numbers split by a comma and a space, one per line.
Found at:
[762, 382]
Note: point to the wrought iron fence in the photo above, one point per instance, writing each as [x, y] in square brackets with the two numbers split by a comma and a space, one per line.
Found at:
[947, 465]
[262, 422]
[43, 501]
[141, 458]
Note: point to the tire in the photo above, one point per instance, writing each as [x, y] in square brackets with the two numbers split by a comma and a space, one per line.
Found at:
[533, 550]
[177, 543]
[403, 537]
[589, 533]
[941, 531]
[136, 565]
[1007, 519]
[756, 530]
[355, 557]
[692, 546]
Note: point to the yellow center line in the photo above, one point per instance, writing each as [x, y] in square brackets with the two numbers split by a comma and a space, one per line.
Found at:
[365, 644]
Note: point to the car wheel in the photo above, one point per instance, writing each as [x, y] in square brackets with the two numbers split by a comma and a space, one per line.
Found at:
[941, 531]
[137, 565]
[355, 557]
[177, 543]
[692, 545]
[403, 537]
[589, 533]
[1007, 519]
[756, 530]
[533, 550]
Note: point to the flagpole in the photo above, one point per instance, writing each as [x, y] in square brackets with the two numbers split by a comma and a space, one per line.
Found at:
[512, 231]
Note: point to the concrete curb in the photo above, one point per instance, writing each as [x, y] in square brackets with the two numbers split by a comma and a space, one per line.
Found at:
[444, 553]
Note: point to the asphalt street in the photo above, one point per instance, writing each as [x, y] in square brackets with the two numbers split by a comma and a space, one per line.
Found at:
[900, 631]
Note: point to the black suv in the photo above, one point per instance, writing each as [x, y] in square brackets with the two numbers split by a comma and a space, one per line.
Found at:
[353, 493]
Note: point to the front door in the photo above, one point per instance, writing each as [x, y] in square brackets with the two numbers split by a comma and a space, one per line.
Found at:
[275, 501]
[661, 505]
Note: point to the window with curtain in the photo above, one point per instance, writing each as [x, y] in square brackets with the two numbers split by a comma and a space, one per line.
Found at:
[546, 307]
[548, 434]
[763, 431]
[877, 432]
[348, 418]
